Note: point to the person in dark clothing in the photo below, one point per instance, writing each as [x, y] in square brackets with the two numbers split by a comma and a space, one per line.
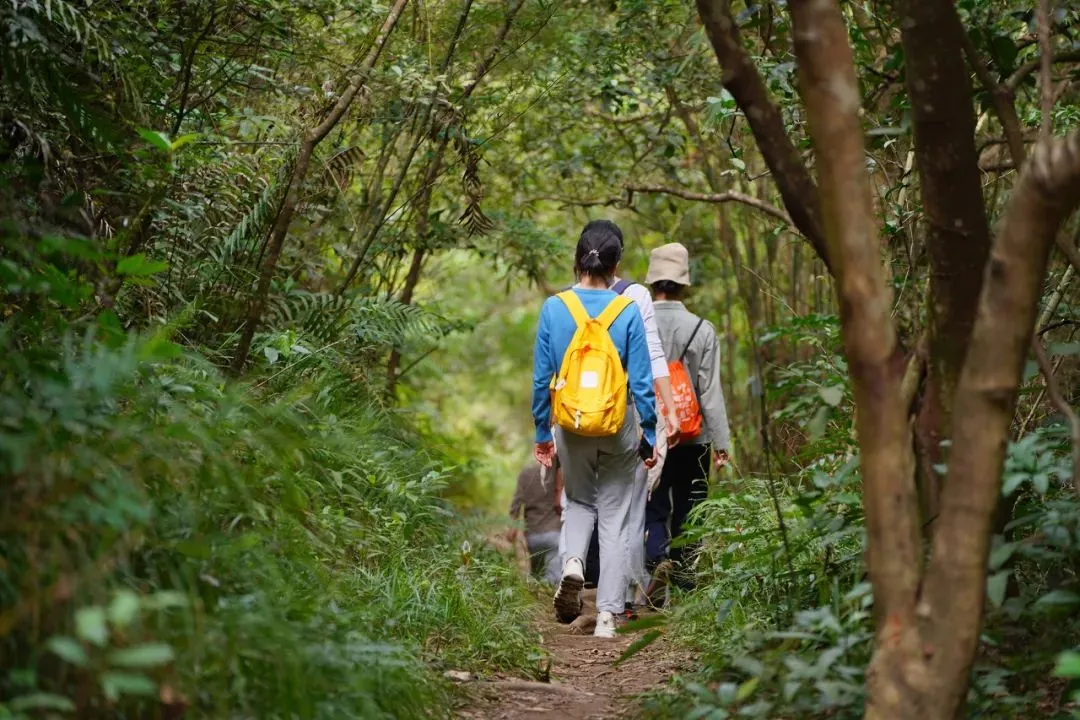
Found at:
[683, 481]
[536, 498]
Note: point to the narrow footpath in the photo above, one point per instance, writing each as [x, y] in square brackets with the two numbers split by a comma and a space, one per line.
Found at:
[585, 684]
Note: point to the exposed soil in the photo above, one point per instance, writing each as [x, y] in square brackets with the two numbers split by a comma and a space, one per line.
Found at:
[584, 683]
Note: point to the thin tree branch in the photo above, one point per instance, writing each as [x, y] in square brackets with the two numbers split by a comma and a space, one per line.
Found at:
[299, 174]
[619, 202]
[1059, 324]
[1046, 56]
[1001, 95]
[1043, 325]
[622, 119]
[1022, 73]
[742, 79]
[1069, 250]
[1059, 402]
[724, 197]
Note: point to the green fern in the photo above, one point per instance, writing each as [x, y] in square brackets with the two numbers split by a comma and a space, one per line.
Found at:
[67, 17]
[375, 322]
[241, 243]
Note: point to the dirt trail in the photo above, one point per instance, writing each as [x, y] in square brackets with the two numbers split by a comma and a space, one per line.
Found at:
[585, 684]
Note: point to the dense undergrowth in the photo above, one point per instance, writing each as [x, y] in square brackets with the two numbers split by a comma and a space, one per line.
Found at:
[782, 619]
[270, 549]
[271, 544]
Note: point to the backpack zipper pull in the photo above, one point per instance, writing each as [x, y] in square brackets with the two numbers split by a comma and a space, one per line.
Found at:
[577, 420]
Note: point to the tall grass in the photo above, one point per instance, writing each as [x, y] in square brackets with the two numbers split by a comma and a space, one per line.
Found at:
[273, 549]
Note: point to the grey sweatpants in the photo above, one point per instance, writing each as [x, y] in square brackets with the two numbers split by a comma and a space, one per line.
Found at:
[637, 575]
[598, 474]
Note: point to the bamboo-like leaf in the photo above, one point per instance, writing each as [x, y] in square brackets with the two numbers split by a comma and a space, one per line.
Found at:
[638, 645]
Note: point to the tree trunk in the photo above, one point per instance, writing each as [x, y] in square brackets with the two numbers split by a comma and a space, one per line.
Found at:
[296, 181]
[741, 79]
[928, 627]
[876, 364]
[954, 587]
[957, 235]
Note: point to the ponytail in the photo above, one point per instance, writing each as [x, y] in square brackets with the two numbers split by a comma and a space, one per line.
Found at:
[599, 250]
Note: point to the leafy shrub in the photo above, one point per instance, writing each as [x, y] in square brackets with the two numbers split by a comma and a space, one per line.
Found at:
[782, 615]
[267, 550]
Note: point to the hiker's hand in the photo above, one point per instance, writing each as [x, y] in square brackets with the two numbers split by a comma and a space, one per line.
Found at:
[651, 462]
[558, 506]
[721, 459]
[673, 427]
[544, 452]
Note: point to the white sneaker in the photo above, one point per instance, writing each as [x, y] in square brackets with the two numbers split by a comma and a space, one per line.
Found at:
[568, 600]
[605, 625]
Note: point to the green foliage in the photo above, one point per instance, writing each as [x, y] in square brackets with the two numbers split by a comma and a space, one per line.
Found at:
[205, 527]
[782, 618]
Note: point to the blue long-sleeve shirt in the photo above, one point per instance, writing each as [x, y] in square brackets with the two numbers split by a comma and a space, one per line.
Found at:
[553, 337]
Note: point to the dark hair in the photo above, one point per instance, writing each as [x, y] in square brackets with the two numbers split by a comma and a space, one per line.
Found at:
[670, 288]
[599, 249]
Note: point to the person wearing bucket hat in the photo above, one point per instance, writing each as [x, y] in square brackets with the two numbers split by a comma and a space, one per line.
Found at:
[693, 354]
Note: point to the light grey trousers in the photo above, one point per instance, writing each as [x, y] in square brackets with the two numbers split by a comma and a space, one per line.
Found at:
[599, 474]
[637, 575]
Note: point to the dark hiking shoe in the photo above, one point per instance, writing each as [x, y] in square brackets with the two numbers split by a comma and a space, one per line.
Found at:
[568, 602]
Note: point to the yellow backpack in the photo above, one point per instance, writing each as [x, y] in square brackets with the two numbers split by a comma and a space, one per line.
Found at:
[589, 392]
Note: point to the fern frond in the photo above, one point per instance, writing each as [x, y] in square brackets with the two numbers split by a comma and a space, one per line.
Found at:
[342, 166]
[66, 16]
[241, 242]
[474, 219]
[376, 322]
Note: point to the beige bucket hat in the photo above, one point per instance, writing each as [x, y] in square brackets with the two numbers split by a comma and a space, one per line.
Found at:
[669, 262]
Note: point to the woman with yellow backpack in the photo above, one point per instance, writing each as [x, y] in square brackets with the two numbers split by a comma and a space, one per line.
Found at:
[590, 355]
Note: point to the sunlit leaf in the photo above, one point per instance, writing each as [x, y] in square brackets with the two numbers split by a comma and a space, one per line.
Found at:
[746, 689]
[116, 684]
[1058, 598]
[142, 656]
[123, 608]
[68, 649]
[138, 266]
[182, 141]
[1068, 664]
[996, 585]
[1000, 554]
[158, 139]
[42, 701]
[638, 645]
[832, 395]
[90, 625]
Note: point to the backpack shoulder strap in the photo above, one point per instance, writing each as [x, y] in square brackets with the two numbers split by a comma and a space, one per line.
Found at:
[573, 304]
[620, 287]
[692, 336]
[613, 310]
